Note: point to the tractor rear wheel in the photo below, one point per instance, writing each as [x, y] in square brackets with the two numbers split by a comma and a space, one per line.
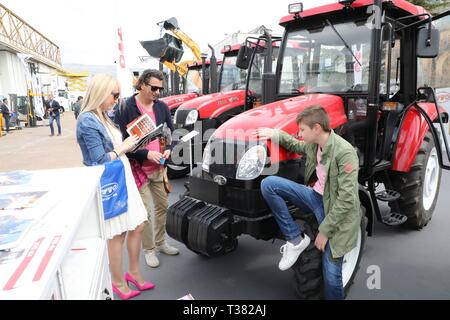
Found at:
[419, 188]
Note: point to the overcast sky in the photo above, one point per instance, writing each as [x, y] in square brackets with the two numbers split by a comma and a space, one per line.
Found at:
[85, 30]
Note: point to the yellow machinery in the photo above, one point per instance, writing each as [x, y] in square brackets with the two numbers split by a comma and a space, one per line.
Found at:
[172, 26]
[169, 48]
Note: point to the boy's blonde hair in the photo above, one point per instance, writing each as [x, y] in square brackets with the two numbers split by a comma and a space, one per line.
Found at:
[315, 115]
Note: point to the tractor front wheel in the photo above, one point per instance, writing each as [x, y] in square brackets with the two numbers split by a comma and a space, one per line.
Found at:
[308, 273]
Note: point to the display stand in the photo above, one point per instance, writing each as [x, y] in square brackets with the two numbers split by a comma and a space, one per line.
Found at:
[64, 255]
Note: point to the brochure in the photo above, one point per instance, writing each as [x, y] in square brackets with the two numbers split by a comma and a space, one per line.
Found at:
[145, 129]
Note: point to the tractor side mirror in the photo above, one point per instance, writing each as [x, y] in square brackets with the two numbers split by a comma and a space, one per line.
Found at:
[243, 58]
[427, 43]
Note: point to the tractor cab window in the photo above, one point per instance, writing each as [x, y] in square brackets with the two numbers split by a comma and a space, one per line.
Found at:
[257, 70]
[232, 78]
[194, 80]
[435, 72]
[394, 73]
[318, 60]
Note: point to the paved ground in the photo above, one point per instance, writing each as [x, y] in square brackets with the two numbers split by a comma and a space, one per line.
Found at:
[413, 264]
[34, 149]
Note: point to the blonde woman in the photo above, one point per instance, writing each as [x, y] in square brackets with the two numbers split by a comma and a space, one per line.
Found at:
[100, 142]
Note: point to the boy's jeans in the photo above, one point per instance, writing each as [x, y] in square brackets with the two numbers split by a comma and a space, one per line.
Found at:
[276, 191]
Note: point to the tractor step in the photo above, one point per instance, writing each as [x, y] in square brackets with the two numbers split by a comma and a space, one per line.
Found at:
[382, 165]
[394, 219]
[388, 195]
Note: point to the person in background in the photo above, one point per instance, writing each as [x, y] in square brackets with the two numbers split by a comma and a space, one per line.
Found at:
[100, 142]
[53, 108]
[77, 107]
[4, 109]
[147, 163]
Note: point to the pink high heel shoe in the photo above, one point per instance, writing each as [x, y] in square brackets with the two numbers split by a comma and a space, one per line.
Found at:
[125, 296]
[145, 286]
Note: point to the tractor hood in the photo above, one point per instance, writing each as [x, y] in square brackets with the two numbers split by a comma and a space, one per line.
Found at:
[177, 100]
[212, 105]
[280, 115]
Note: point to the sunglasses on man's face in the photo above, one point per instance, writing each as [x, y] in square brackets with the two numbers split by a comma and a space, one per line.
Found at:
[116, 95]
[154, 88]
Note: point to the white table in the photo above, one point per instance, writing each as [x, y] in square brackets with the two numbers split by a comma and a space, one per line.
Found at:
[64, 255]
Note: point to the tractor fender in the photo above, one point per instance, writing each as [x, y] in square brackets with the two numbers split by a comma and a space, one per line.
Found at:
[411, 135]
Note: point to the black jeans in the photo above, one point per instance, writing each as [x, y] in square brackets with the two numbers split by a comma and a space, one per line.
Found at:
[7, 120]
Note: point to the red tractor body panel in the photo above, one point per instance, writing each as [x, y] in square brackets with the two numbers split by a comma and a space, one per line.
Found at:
[411, 136]
[280, 115]
[402, 4]
[212, 105]
[175, 101]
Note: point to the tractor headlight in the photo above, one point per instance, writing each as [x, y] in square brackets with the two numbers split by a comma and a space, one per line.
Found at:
[206, 157]
[191, 117]
[252, 163]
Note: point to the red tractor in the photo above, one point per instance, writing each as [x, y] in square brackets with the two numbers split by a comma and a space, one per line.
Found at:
[370, 64]
[239, 90]
[192, 85]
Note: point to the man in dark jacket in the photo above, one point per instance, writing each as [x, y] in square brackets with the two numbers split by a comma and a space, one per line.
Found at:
[148, 163]
[53, 108]
[5, 112]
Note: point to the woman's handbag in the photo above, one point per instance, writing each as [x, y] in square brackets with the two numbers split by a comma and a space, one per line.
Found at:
[114, 189]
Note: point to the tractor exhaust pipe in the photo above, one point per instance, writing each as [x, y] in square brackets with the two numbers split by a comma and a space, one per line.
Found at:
[213, 71]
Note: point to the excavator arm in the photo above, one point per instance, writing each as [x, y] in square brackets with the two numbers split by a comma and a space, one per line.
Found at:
[174, 67]
[181, 68]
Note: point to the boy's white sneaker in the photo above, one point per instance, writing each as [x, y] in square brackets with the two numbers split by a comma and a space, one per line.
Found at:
[291, 253]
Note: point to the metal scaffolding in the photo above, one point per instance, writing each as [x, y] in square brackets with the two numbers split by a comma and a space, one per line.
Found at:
[19, 36]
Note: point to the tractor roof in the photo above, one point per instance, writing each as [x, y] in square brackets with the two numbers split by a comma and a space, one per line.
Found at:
[406, 6]
[199, 63]
[231, 48]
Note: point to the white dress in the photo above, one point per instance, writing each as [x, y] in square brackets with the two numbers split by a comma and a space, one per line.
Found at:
[136, 213]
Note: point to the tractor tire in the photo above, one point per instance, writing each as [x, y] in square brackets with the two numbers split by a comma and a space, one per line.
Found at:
[419, 188]
[308, 277]
[308, 274]
[177, 174]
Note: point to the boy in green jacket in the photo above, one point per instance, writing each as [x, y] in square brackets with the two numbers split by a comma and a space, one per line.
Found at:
[333, 198]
